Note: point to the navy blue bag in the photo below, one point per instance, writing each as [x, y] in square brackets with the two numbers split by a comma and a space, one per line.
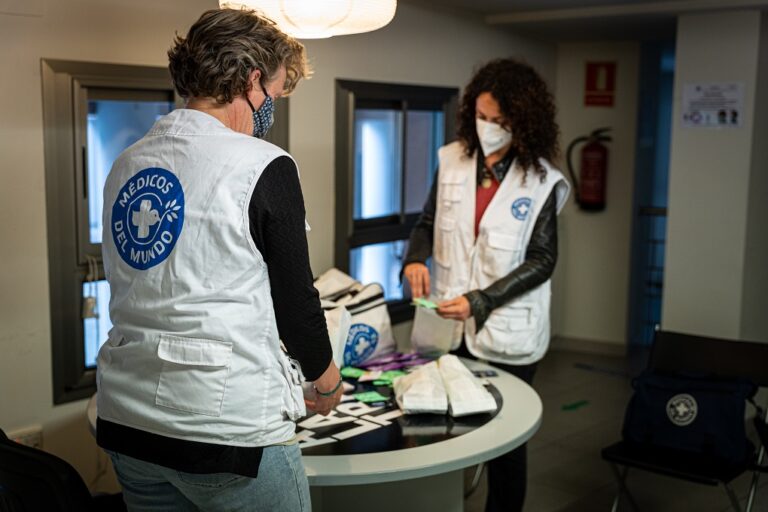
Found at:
[700, 415]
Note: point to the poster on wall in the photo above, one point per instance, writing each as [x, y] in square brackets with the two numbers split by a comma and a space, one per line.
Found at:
[600, 84]
[713, 105]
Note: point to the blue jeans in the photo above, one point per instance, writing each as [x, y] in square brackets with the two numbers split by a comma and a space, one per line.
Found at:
[281, 486]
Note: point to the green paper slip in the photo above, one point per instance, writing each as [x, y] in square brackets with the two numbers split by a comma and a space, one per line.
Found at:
[370, 396]
[388, 377]
[351, 372]
[424, 303]
[391, 375]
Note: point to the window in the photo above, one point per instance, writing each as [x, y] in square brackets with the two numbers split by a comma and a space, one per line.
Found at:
[92, 112]
[387, 136]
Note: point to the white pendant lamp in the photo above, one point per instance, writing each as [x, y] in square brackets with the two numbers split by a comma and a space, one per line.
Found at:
[315, 19]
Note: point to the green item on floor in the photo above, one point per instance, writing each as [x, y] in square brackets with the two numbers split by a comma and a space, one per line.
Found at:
[368, 397]
[575, 405]
[351, 372]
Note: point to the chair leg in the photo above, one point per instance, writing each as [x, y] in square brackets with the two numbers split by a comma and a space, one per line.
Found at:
[755, 478]
[734, 499]
[615, 507]
[475, 480]
[621, 477]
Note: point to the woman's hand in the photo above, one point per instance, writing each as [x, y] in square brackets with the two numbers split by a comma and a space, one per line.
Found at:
[456, 309]
[417, 275]
[326, 382]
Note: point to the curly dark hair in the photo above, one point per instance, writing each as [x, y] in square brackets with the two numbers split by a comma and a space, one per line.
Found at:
[526, 104]
[224, 46]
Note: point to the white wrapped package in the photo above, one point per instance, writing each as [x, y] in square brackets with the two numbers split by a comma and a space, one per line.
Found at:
[465, 392]
[421, 391]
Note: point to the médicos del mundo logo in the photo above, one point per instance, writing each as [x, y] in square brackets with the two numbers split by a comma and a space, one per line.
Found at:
[147, 217]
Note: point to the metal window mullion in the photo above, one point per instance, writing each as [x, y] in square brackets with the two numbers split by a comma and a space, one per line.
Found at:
[80, 141]
[403, 157]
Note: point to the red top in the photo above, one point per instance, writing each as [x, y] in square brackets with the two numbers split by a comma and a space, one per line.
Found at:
[482, 199]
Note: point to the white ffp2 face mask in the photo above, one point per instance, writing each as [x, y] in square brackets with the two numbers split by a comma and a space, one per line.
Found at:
[492, 136]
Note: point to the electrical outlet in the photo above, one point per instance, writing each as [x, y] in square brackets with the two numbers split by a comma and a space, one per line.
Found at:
[30, 436]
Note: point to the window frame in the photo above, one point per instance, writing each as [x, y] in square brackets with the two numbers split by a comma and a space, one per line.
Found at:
[64, 87]
[351, 233]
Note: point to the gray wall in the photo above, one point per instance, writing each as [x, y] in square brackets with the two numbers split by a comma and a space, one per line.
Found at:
[590, 294]
[716, 234]
[754, 320]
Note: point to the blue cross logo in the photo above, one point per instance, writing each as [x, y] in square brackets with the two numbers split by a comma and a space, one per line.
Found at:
[521, 207]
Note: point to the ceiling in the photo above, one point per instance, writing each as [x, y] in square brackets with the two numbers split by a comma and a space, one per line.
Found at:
[587, 20]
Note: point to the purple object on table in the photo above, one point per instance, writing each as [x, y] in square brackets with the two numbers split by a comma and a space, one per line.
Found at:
[394, 361]
[417, 361]
[385, 367]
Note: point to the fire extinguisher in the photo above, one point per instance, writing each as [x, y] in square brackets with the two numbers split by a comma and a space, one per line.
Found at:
[590, 188]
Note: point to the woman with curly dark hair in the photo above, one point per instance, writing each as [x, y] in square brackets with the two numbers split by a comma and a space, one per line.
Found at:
[490, 227]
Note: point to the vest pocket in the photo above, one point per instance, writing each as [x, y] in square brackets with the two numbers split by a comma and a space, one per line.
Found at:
[194, 374]
[443, 241]
[511, 330]
[501, 255]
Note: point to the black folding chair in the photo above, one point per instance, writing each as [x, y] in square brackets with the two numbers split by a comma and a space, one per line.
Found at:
[672, 353]
[32, 480]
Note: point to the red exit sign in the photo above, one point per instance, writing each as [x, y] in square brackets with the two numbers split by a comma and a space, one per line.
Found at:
[600, 85]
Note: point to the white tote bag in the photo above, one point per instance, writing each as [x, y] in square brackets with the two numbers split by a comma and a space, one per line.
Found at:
[370, 328]
[370, 335]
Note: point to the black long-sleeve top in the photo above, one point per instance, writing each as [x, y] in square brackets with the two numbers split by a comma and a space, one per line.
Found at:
[277, 222]
[540, 254]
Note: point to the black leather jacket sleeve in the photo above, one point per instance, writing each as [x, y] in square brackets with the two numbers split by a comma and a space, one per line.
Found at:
[539, 263]
[537, 268]
[420, 242]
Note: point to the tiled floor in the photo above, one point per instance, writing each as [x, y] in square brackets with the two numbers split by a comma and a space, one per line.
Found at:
[565, 471]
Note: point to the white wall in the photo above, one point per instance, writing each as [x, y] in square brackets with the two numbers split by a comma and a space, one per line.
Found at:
[418, 47]
[709, 186]
[591, 282]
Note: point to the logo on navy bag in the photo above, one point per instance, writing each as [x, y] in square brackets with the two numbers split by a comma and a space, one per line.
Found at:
[521, 207]
[682, 409]
[361, 342]
[147, 217]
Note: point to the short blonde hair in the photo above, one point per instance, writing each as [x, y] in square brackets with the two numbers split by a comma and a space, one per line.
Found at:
[224, 46]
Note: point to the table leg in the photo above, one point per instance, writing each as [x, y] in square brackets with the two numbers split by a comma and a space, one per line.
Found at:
[440, 492]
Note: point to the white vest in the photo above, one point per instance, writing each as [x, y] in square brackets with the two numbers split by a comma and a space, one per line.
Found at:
[194, 352]
[517, 332]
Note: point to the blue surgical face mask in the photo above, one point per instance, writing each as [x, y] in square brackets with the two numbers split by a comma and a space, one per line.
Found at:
[263, 117]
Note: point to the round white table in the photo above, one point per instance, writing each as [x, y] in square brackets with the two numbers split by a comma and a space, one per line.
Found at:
[427, 477]
[422, 478]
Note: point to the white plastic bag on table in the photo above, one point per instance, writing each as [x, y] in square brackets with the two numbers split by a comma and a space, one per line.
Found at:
[421, 391]
[466, 394]
[433, 335]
